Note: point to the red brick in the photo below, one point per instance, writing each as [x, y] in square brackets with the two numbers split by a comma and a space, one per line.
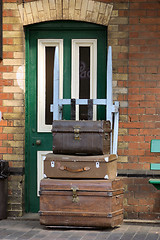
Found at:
[134, 48]
[133, 34]
[133, 138]
[135, 97]
[135, 83]
[133, 132]
[10, 137]
[123, 111]
[146, 166]
[150, 90]
[7, 41]
[149, 20]
[133, 91]
[134, 125]
[157, 125]
[136, 111]
[3, 122]
[6, 82]
[7, 13]
[134, 5]
[150, 125]
[149, 118]
[150, 111]
[123, 55]
[148, 159]
[136, 70]
[141, 208]
[135, 166]
[152, 5]
[133, 21]
[134, 152]
[3, 136]
[132, 145]
[147, 103]
[10, 109]
[123, 13]
[3, 150]
[149, 131]
[135, 77]
[10, 150]
[7, 27]
[150, 97]
[7, 54]
[8, 96]
[137, 13]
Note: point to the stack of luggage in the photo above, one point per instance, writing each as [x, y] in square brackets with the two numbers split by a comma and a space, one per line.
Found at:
[81, 188]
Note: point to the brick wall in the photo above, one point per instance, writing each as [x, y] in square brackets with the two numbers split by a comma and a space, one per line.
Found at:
[134, 31]
[12, 103]
[137, 72]
[134, 34]
[143, 105]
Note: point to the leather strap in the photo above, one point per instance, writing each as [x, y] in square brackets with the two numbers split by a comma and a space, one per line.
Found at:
[74, 170]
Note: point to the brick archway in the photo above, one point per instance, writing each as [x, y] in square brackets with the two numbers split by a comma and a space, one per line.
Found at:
[79, 10]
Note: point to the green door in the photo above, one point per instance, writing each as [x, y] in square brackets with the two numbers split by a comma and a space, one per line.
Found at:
[83, 49]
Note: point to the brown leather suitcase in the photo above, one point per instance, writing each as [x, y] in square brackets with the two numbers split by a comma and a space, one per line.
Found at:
[73, 166]
[81, 137]
[81, 203]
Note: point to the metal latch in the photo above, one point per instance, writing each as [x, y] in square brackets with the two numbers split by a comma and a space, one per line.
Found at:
[75, 198]
[76, 133]
[106, 136]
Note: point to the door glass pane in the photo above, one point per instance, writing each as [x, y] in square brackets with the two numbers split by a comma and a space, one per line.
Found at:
[84, 80]
[49, 84]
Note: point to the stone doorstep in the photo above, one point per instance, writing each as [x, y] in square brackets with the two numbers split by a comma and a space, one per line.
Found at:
[26, 217]
[35, 217]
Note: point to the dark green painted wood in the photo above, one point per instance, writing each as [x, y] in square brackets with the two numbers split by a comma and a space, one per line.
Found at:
[155, 145]
[66, 30]
[155, 183]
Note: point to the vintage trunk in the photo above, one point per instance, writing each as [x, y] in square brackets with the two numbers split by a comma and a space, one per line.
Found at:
[83, 203]
[81, 137]
[73, 166]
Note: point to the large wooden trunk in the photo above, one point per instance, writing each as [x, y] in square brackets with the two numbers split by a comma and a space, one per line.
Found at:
[73, 166]
[83, 203]
[81, 137]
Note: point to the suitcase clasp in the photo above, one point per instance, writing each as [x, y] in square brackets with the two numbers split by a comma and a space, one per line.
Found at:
[106, 136]
[75, 198]
[76, 133]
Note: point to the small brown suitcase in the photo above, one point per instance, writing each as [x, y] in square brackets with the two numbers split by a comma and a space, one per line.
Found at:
[81, 137]
[73, 166]
[81, 203]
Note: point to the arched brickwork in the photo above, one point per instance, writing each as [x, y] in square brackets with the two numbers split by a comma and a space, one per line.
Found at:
[78, 10]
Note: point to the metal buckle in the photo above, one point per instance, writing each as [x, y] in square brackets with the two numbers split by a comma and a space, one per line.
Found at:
[75, 198]
[76, 133]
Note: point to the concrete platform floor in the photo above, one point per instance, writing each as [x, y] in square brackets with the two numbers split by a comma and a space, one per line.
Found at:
[30, 228]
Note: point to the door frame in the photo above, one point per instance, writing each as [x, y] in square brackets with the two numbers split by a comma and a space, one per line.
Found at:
[51, 26]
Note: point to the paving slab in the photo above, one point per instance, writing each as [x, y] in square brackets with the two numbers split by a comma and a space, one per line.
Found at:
[33, 230]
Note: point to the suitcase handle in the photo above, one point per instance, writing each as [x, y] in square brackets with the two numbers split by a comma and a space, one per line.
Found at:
[74, 170]
[73, 109]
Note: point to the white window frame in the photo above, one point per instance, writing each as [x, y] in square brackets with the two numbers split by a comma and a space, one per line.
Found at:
[42, 44]
[92, 43]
